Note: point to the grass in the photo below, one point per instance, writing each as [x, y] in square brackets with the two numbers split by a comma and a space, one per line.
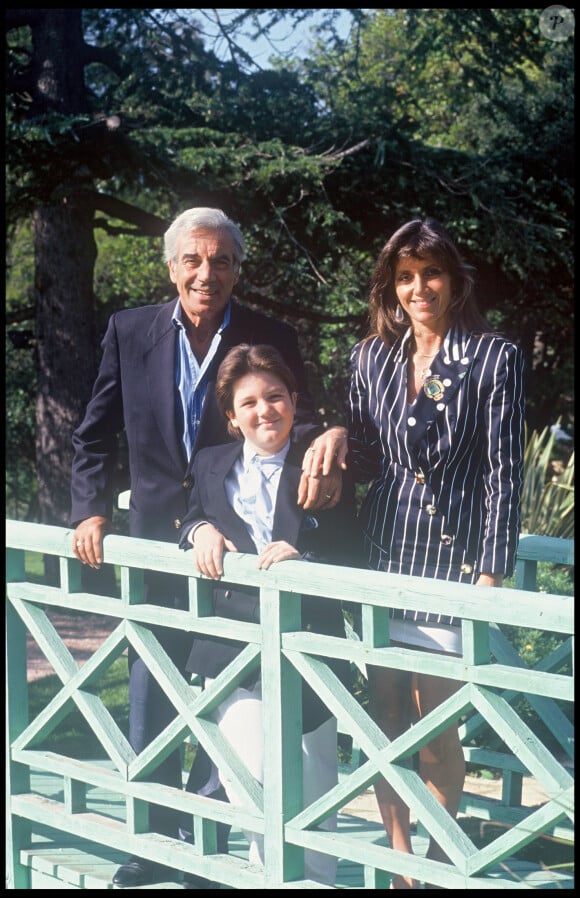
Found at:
[73, 737]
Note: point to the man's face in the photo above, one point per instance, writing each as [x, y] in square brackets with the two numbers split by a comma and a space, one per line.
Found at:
[204, 273]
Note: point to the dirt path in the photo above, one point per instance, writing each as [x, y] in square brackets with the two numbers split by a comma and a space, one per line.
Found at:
[83, 634]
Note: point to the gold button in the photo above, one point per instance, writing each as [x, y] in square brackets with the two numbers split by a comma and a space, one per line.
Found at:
[177, 523]
[466, 568]
[446, 539]
[187, 483]
[420, 477]
[431, 509]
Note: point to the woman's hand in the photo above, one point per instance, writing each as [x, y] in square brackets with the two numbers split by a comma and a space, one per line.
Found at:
[274, 552]
[209, 546]
[320, 486]
[490, 580]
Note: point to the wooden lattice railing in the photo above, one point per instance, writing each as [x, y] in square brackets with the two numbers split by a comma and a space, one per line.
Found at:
[492, 674]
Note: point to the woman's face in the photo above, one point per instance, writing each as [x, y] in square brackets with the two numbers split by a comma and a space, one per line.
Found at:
[423, 289]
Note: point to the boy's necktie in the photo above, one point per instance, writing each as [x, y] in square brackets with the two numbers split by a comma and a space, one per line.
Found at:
[257, 499]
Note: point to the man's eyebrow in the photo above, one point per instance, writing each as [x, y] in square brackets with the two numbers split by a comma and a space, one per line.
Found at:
[218, 256]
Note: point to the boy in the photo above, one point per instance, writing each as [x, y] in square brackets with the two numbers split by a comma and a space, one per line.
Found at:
[235, 507]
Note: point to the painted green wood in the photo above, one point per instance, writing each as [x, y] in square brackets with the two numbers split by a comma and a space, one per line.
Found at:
[282, 750]
[556, 722]
[373, 588]
[96, 864]
[546, 548]
[491, 672]
[532, 548]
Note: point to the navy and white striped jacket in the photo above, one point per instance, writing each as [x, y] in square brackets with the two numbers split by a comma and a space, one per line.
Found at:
[446, 471]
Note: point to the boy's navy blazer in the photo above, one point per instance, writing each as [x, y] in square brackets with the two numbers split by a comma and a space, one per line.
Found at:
[321, 536]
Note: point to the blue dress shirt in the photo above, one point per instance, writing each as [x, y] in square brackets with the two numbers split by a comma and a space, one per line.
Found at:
[190, 376]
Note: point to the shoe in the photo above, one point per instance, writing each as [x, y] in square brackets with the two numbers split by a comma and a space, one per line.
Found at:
[137, 872]
[191, 881]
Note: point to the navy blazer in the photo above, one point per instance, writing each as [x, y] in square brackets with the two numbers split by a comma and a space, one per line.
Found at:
[325, 536]
[135, 392]
[446, 471]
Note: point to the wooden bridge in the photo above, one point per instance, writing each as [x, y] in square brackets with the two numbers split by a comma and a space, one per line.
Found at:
[71, 821]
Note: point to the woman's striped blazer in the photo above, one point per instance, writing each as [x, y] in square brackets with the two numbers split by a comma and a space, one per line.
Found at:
[446, 471]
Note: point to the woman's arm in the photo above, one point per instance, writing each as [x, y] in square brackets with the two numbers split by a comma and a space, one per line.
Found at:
[503, 433]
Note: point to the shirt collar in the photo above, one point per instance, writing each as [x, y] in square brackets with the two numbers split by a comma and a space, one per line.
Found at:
[269, 463]
[177, 317]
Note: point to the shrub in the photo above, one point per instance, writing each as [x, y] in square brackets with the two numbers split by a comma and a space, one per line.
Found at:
[548, 494]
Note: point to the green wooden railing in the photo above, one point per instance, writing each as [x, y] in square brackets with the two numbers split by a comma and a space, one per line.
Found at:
[493, 677]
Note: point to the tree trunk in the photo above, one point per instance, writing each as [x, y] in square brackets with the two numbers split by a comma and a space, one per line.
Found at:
[65, 254]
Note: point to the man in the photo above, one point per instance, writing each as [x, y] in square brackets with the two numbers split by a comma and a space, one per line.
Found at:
[156, 382]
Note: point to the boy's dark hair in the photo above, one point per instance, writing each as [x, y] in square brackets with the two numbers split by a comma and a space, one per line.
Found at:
[246, 359]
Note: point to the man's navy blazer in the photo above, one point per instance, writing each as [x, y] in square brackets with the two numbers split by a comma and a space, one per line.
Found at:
[135, 392]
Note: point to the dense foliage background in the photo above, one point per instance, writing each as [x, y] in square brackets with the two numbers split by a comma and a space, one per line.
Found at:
[117, 120]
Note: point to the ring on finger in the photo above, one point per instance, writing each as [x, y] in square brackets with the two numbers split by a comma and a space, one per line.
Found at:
[80, 542]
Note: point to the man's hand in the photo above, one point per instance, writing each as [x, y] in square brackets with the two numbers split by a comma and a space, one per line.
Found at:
[209, 546]
[320, 486]
[88, 540]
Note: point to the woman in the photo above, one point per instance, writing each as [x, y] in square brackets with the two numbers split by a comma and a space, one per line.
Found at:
[437, 425]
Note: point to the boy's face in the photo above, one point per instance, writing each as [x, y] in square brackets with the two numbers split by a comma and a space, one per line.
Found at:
[263, 411]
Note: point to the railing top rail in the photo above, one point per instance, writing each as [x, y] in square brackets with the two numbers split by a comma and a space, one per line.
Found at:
[376, 588]
[533, 547]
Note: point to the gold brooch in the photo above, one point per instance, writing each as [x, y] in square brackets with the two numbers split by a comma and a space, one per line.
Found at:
[433, 388]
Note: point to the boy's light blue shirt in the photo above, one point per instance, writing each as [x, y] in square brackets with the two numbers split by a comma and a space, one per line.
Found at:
[252, 488]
